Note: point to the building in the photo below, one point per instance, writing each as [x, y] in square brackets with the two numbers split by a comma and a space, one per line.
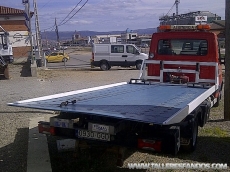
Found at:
[129, 37]
[218, 27]
[107, 38]
[190, 18]
[13, 21]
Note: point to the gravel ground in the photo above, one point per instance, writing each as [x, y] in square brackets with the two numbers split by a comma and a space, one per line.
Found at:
[213, 141]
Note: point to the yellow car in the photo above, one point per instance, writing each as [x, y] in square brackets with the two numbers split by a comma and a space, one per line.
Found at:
[57, 57]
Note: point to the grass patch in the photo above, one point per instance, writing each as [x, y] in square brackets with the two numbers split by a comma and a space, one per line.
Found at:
[214, 132]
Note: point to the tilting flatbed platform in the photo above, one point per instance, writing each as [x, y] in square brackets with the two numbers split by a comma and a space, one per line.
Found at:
[157, 103]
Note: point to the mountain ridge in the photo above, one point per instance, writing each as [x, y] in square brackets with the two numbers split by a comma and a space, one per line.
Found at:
[67, 35]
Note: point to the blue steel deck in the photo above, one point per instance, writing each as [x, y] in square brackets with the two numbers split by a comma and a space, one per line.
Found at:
[155, 103]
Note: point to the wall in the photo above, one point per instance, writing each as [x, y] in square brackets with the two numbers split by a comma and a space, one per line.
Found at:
[18, 34]
[21, 51]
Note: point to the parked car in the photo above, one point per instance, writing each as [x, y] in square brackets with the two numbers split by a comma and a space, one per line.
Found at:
[107, 55]
[57, 57]
[63, 47]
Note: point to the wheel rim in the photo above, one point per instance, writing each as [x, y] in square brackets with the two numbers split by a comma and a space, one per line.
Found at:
[104, 66]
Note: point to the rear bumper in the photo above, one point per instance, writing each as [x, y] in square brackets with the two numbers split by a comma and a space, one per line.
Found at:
[159, 141]
[94, 63]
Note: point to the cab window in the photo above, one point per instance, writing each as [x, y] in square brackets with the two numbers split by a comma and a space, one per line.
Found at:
[117, 48]
[130, 49]
[193, 47]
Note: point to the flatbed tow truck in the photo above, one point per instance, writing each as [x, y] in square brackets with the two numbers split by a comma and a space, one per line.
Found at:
[160, 111]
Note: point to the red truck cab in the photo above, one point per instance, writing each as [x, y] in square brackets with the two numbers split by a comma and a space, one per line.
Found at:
[187, 43]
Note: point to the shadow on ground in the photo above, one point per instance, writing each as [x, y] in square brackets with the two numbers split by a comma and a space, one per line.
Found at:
[15, 153]
[209, 150]
[25, 71]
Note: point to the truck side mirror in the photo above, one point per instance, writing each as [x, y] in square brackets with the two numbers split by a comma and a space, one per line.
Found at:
[137, 52]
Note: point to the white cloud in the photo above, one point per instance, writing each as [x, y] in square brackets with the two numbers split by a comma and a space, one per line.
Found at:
[80, 22]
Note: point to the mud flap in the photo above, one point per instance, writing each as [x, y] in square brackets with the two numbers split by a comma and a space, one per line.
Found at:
[203, 118]
[171, 143]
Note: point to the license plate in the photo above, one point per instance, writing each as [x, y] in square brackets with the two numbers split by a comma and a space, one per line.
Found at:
[63, 123]
[100, 128]
[92, 135]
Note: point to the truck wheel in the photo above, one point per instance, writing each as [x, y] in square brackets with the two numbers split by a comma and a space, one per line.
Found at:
[193, 140]
[138, 65]
[104, 66]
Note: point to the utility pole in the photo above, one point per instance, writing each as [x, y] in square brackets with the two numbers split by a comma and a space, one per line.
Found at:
[177, 3]
[227, 62]
[28, 24]
[56, 30]
[38, 39]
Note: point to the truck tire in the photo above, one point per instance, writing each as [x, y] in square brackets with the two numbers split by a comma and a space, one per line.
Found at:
[104, 66]
[193, 140]
[138, 65]
[218, 100]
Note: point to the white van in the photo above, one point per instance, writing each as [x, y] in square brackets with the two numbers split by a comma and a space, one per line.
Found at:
[107, 55]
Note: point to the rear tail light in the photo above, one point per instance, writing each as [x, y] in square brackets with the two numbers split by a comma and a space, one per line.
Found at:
[92, 55]
[154, 145]
[45, 128]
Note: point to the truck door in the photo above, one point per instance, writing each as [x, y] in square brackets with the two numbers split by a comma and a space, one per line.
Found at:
[117, 55]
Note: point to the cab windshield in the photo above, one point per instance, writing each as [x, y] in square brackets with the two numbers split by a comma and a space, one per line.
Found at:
[192, 47]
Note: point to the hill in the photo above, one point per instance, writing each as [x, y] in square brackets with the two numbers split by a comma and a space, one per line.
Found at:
[67, 35]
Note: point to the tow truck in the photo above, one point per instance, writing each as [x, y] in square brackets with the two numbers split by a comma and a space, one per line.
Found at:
[6, 52]
[161, 110]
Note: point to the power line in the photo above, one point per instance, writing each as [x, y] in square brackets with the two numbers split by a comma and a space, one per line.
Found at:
[74, 13]
[45, 4]
[70, 12]
[170, 9]
[52, 27]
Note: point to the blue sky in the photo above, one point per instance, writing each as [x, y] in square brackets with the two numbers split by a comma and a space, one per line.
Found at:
[110, 15]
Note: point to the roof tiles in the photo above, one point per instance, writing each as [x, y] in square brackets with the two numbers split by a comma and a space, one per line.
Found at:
[10, 11]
